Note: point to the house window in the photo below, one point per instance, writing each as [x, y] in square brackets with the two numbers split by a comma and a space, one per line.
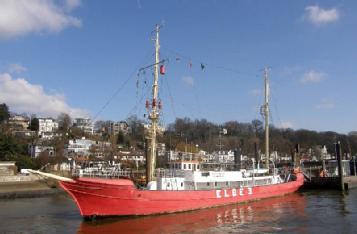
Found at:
[181, 184]
[189, 166]
[198, 166]
[184, 166]
[207, 183]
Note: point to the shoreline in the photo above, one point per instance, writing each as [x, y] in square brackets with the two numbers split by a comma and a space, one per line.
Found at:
[28, 189]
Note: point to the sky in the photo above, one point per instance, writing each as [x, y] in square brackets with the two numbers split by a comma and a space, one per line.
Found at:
[83, 57]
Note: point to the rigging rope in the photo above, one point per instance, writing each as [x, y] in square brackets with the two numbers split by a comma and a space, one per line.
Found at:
[119, 89]
[203, 65]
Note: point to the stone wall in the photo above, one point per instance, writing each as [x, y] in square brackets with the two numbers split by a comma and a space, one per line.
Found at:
[8, 170]
[18, 178]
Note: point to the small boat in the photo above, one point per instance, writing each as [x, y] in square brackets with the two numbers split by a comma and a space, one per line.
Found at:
[181, 188]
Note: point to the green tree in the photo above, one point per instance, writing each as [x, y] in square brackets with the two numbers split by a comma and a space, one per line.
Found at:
[34, 125]
[65, 122]
[4, 112]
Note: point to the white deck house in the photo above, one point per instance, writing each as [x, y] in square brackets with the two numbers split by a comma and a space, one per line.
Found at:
[206, 180]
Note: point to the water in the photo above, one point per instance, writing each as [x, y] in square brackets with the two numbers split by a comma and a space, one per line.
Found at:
[304, 212]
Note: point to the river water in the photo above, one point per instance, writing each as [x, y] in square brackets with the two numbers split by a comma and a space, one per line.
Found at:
[303, 212]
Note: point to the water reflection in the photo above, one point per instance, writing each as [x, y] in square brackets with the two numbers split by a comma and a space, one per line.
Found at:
[271, 215]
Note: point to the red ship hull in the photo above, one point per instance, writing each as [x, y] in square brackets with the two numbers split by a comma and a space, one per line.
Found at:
[119, 197]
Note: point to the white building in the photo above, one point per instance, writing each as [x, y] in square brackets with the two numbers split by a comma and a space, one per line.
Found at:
[120, 126]
[47, 127]
[36, 150]
[84, 124]
[18, 122]
[136, 156]
[79, 146]
[221, 157]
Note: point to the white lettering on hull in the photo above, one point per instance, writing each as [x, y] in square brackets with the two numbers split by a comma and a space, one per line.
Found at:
[234, 192]
[225, 193]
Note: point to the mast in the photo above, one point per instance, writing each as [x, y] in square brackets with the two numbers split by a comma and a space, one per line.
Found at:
[266, 116]
[154, 115]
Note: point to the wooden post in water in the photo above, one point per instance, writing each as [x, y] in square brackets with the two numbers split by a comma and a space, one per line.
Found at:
[339, 164]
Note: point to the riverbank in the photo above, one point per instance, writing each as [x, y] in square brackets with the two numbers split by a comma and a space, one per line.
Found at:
[28, 189]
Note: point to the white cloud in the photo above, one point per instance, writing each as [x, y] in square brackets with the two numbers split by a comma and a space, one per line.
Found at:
[16, 68]
[256, 92]
[320, 16]
[188, 80]
[286, 124]
[21, 96]
[325, 105]
[289, 70]
[72, 4]
[139, 4]
[312, 77]
[20, 17]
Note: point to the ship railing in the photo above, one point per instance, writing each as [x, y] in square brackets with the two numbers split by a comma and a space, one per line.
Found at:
[167, 173]
[102, 173]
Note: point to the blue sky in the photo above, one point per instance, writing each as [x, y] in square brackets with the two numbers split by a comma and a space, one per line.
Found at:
[72, 56]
